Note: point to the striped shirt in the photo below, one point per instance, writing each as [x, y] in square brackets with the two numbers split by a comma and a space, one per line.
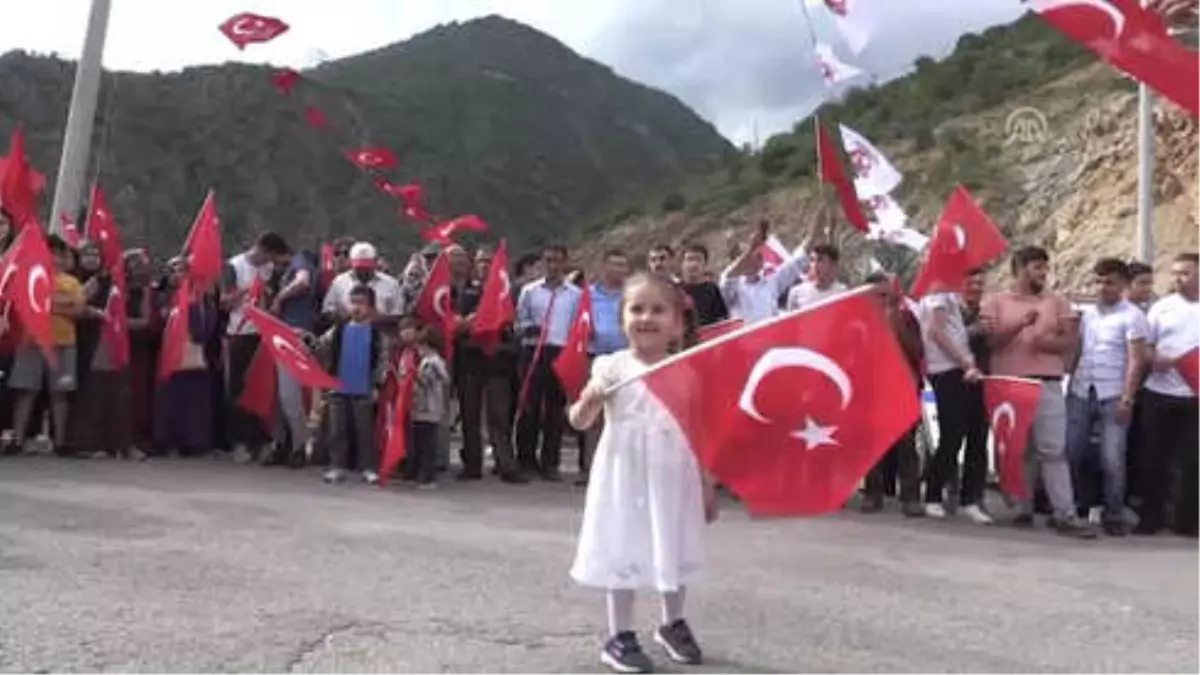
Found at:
[1105, 334]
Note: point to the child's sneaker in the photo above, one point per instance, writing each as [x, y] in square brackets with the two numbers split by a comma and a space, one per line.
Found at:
[676, 637]
[370, 477]
[623, 654]
[333, 476]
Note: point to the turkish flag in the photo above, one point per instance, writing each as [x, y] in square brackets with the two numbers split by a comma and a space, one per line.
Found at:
[964, 238]
[70, 231]
[854, 20]
[175, 333]
[417, 213]
[1188, 366]
[254, 296]
[115, 332]
[1131, 39]
[258, 396]
[443, 233]
[290, 352]
[716, 330]
[1012, 404]
[372, 158]
[394, 450]
[571, 364]
[102, 229]
[28, 282]
[833, 173]
[496, 308]
[203, 246]
[792, 413]
[18, 183]
[433, 304]
[247, 27]
[285, 80]
[315, 117]
[410, 194]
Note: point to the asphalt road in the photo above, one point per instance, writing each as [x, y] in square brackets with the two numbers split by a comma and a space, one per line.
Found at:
[201, 565]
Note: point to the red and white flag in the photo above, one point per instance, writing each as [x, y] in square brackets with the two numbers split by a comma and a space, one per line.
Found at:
[1132, 39]
[290, 352]
[857, 20]
[833, 173]
[496, 307]
[834, 71]
[328, 270]
[395, 447]
[70, 231]
[1188, 366]
[773, 255]
[115, 331]
[28, 282]
[444, 232]
[792, 412]
[433, 304]
[314, 117]
[202, 249]
[372, 158]
[247, 28]
[874, 174]
[19, 183]
[285, 80]
[101, 228]
[175, 333]
[258, 396]
[571, 364]
[1012, 404]
[964, 238]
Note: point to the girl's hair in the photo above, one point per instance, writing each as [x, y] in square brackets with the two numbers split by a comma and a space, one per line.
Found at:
[674, 296]
[432, 336]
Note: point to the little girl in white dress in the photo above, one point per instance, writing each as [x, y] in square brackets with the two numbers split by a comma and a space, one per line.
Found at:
[647, 498]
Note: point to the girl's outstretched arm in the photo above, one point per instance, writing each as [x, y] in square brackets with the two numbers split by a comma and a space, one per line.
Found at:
[583, 413]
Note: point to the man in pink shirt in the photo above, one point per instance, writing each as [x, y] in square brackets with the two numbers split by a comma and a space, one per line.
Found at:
[1033, 332]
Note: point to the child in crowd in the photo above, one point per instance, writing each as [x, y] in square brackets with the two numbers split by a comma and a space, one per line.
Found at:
[30, 368]
[353, 351]
[647, 500]
[427, 408]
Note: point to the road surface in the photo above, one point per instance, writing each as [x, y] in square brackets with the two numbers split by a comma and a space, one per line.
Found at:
[203, 565]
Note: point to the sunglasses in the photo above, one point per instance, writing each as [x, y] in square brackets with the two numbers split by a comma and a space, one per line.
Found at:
[342, 253]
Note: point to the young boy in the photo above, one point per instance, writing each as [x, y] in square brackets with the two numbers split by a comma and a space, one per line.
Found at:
[427, 408]
[31, 371]
[353, 351]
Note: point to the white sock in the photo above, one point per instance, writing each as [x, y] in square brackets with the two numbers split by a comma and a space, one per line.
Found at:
[620, 610]
[672, 605]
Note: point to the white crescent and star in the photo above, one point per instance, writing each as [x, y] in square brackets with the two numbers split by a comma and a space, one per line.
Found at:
[438, 295]
[36, 273]
[505, 284]
[960, 237]
[1116, 16]
[248, 25]
[8, 275]
[1002, 411]
[585, 321]
[299, 358]
[813, 434]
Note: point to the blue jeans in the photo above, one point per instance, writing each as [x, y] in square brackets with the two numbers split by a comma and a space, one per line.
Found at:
[1089, 418]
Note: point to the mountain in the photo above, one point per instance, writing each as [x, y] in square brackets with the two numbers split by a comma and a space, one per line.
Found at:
[494, 117]
[1069, 186]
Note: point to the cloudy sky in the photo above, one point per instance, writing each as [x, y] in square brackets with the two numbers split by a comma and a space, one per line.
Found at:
[743, 64]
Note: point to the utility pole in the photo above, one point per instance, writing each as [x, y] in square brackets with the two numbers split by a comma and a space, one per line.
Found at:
[77, 139]
[1145, 193]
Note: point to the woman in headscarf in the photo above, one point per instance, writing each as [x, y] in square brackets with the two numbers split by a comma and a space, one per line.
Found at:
[184, 421]
[145, 330]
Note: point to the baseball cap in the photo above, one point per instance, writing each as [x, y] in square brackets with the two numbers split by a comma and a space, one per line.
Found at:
[362, 254]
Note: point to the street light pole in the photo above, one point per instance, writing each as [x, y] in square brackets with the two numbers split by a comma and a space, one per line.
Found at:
[1145, 191]
[81, 118]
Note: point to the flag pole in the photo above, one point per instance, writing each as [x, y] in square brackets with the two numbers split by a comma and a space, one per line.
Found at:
[81, 118]
[1145, 194]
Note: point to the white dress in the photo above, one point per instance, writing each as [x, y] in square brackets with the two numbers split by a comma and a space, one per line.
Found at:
[643, 524]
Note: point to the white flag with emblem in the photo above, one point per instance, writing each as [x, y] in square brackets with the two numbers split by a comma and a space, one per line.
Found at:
[834, 71]
[857, 20]
[874, 174]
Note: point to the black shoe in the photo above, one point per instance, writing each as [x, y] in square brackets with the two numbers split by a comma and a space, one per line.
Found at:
[297, 460]
[465, 475]
[551, 476]
[871, 504]
[1115, 528]
[676, 637]
[1073, 527]
[1023, 520]
[11, 449]
[514, 478]
[623, 654]
[582, 481]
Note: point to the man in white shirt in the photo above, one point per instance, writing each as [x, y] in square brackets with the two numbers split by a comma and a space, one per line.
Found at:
[823, 284]
[750, 295]
[953, 373]
[545, 313]
[1169, 416]
[239, 276]
[1103, 384]
[389, 301]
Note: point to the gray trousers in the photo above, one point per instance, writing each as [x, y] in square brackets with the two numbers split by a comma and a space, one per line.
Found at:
[1046, 450]
[291, 407]
[352, 429]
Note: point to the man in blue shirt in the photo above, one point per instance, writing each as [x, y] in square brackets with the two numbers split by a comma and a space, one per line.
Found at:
[606, 335]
